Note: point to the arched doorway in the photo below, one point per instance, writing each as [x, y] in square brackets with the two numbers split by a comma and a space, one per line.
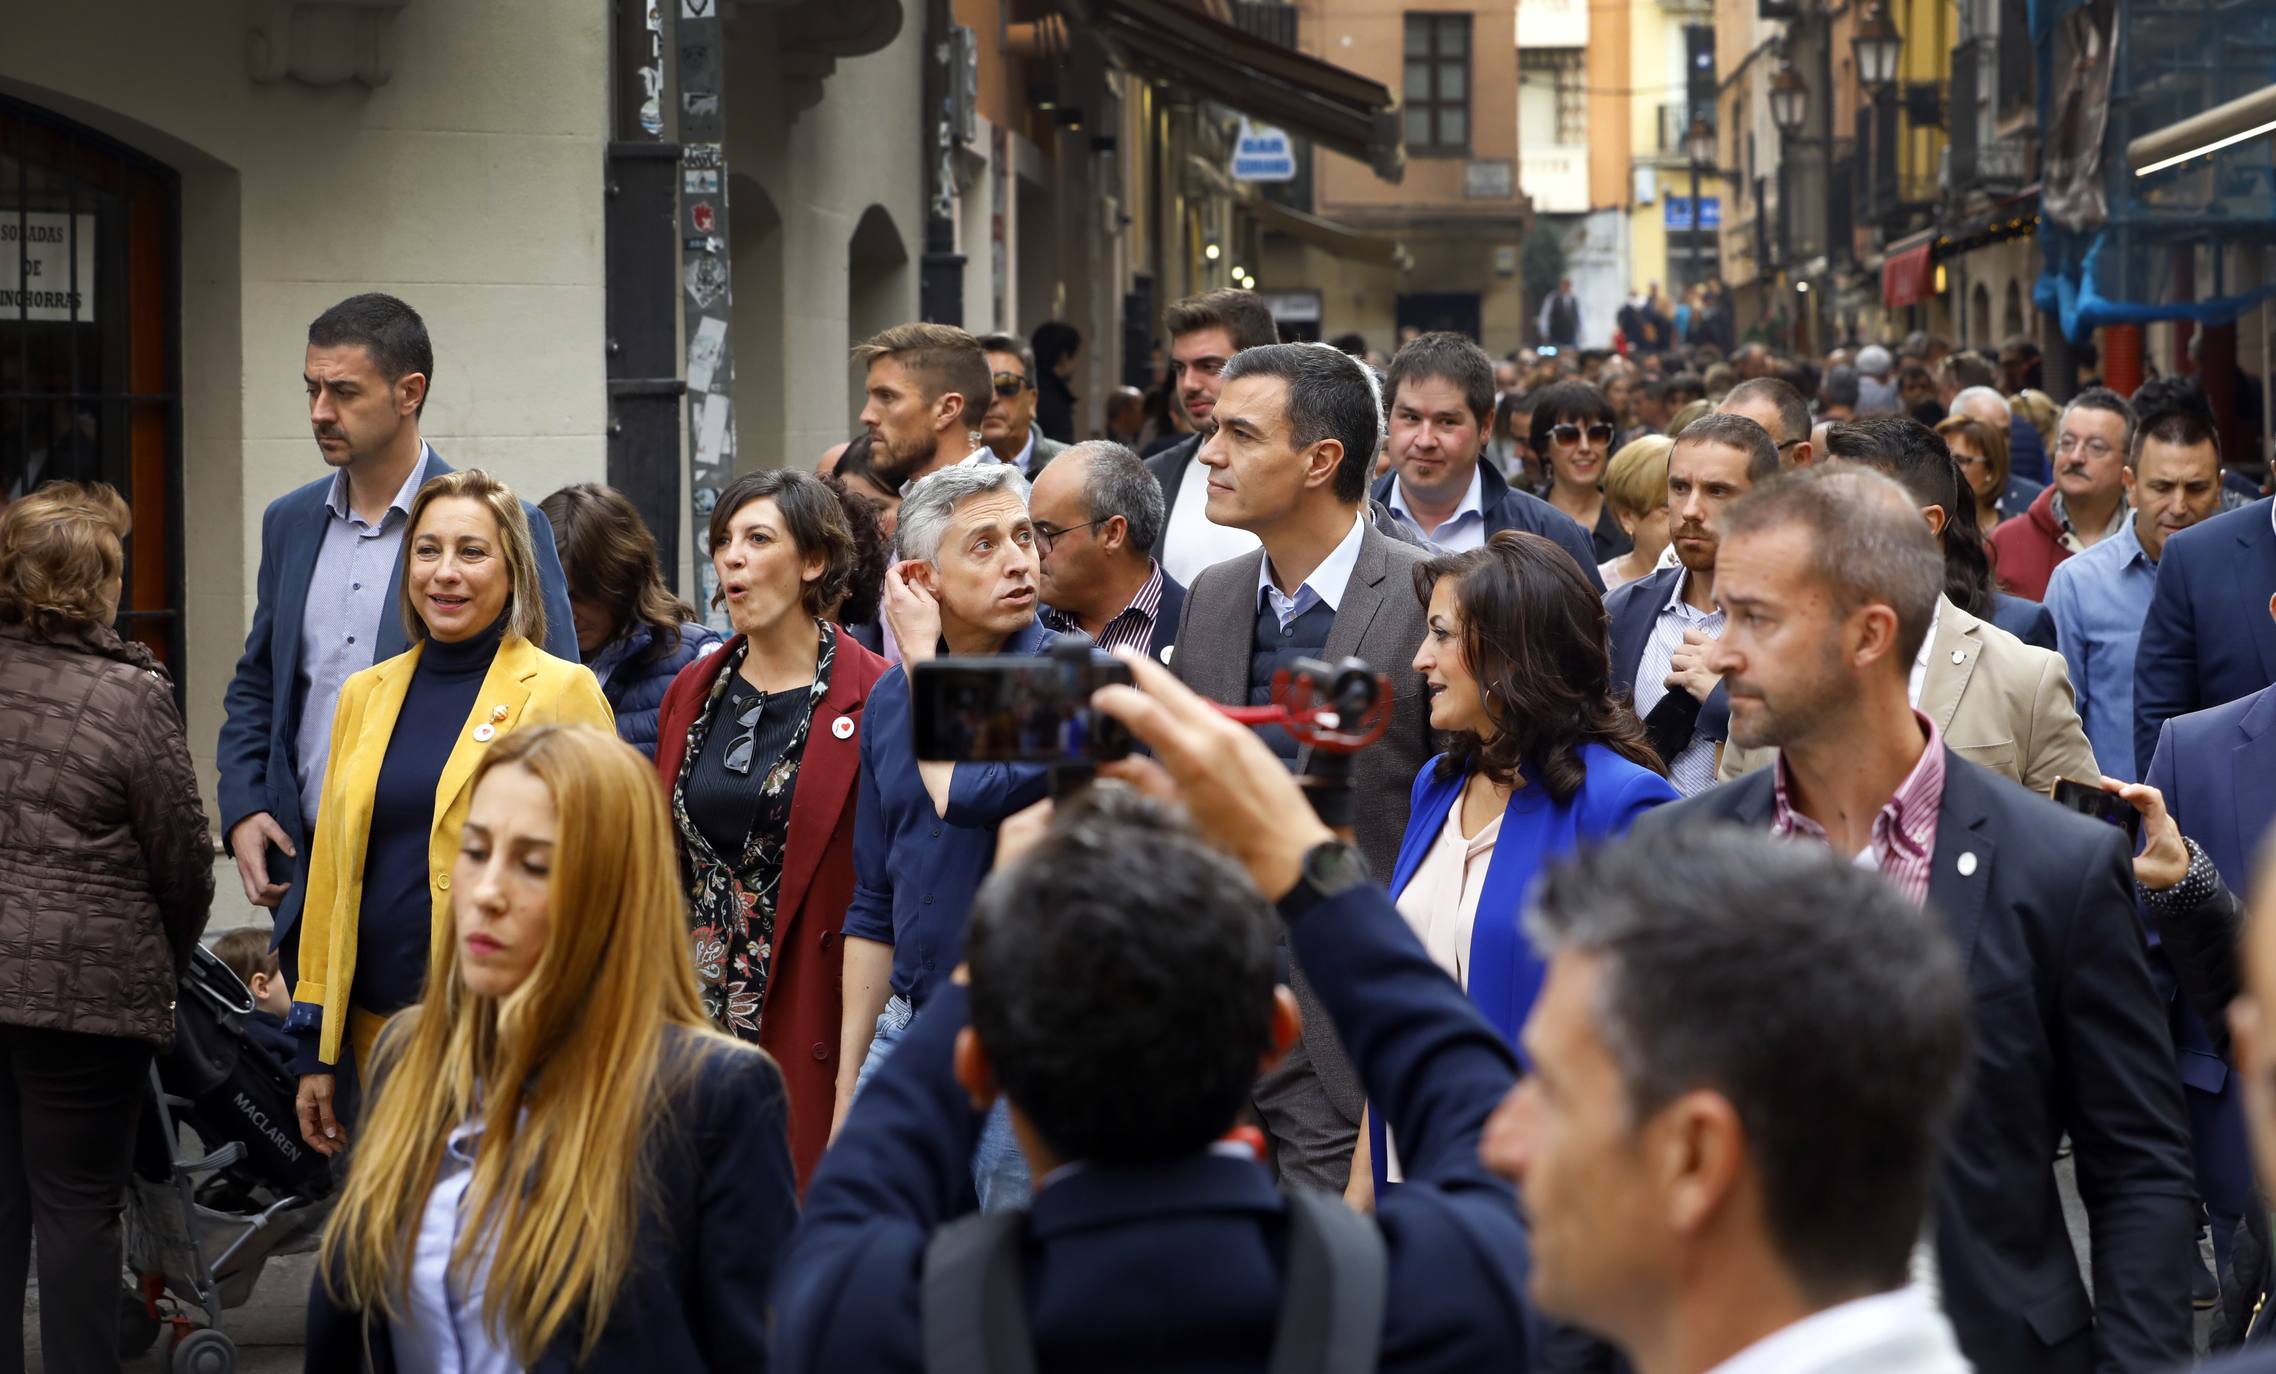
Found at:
[878, 294]
[90, 358]
[2011, 319]
[1979, 316]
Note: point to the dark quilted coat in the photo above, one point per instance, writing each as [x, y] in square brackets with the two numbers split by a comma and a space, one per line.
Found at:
[106, 860]
[636, 693]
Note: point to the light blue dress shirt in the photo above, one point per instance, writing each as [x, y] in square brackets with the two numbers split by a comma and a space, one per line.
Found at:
[2099, 598]
[1326, 583]
[1463, 531]
[339, 627]
[441, 1331]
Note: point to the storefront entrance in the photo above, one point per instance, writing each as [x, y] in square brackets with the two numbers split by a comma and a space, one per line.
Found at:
[90, 329]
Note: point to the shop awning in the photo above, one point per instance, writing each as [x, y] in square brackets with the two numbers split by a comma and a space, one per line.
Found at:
[1908, 273]
[1343, 240]
[1167, 41]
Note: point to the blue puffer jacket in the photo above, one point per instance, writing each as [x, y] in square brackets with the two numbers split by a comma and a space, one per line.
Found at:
[636, 693]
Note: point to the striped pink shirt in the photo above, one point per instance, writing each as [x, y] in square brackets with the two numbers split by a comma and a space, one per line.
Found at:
[1904, 833]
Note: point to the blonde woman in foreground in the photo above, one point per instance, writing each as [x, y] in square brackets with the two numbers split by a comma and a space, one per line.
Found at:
[564, 1166]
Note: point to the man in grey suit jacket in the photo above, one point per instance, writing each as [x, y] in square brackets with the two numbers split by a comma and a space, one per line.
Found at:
[1296, 432]
[1009, 429]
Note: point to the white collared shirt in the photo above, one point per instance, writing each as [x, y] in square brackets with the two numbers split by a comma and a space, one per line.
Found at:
[1845, 1330]
[1024, 460]
[1325, 583]
[1920, 660]
[1194, 541]
[1692, 770]
[1463, 531]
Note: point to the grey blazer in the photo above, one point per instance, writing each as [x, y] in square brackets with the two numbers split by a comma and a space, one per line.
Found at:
[1379, 619]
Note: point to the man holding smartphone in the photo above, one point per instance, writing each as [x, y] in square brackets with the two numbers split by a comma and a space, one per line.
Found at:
[925, 833]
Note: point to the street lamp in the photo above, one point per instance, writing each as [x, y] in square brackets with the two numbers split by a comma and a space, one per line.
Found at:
[1877, 45]
[1699, 143]
[1789, 100]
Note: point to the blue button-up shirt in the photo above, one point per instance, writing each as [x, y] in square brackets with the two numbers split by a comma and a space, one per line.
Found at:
[915, 870]
[339, 627]
[2099, 598]
[1463, 531]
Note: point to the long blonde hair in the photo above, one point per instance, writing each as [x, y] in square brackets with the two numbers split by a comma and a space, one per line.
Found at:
[569, 1075]
[525, 600]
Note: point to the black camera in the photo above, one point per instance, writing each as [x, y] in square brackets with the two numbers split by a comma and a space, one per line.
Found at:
[1004, 709]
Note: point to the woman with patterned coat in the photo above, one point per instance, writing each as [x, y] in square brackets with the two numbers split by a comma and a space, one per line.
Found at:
[759, 748]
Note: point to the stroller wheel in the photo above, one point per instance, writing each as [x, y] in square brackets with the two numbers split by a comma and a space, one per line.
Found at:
[205, 1352]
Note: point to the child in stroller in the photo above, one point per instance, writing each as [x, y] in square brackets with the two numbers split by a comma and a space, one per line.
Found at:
[200, 1226]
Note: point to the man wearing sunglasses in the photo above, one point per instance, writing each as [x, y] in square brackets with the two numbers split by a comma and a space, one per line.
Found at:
[1009, 427]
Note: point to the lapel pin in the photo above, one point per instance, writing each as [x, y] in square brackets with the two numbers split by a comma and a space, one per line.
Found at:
[498, 713]
[842, 727]
[485, 732]
[1959, 656]
[1166, 648]
[1968, 864]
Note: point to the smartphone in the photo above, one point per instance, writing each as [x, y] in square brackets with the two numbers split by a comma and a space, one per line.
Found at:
[1015, 710]
[2088, 799]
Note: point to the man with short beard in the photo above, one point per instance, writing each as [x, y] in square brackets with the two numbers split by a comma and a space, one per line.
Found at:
[1662, 622]
[1831, 578]
[928, 388]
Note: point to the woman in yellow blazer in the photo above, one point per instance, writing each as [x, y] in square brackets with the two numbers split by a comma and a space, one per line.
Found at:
[406, 740]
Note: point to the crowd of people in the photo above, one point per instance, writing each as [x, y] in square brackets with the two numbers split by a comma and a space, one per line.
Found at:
[1705, 980]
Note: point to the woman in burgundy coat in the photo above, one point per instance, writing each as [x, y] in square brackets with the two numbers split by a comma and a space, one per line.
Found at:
[759, 746]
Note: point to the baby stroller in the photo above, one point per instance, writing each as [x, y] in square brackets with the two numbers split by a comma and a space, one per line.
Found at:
[199, 1227]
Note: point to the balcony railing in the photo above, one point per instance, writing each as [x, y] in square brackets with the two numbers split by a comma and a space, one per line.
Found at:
[1274, 23]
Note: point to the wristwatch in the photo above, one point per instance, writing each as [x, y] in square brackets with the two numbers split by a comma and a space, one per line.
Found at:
[1330, 869]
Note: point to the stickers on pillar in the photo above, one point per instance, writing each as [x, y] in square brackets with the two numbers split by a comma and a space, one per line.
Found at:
[700, 104]
[704, 351]
[703, 217]
[704, 183]
[710, 155]
[694, 58]
[714, 443]
[706, 276]
[699, 9]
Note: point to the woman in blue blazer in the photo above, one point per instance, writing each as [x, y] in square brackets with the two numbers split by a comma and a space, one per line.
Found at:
[1543, 758]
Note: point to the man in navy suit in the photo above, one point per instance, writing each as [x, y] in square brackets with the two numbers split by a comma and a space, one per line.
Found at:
[329, 585]
[1442, 400]
[2206, 640]
[1122, 998]
[1662, 622]
[1831, 581]
[1097, 511]
[2217, 771]
[2250, 1029]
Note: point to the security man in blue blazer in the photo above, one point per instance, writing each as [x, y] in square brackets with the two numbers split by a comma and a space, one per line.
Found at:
[329, 583]
[1121, 996]
[2217, 771]
[2208, 639]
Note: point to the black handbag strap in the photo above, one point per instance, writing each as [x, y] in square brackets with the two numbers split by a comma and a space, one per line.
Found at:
[1331, 1308]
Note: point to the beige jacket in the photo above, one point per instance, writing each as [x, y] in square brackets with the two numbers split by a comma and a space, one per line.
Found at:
[1999, 701]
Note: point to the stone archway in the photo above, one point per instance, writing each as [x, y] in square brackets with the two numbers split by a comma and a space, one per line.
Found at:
[879, 292]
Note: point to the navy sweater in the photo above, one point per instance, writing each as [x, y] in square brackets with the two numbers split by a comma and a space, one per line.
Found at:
[397, 915]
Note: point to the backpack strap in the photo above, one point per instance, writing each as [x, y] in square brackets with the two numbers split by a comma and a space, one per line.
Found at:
[975, 1309]
[1331, 1309]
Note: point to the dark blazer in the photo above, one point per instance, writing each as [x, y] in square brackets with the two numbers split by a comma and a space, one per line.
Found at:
[2254, 1359]
[261, 710]
[2070, 1036]
[1169, 468]
[1161, 644]
[1507, 508]
[1634, 608]
[1177, 1266]
[1379, 619]
[2208, 638]
[2029, 621]
[704, 1257]
[799, 1016]
[2217, 770]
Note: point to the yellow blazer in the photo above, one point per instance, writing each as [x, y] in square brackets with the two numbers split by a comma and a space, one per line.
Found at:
[529, 685]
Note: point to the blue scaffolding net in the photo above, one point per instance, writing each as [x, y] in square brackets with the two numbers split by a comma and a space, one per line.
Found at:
[2111, 71]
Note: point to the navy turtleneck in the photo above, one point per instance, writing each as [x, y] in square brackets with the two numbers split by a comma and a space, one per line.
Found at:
[397, 915]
